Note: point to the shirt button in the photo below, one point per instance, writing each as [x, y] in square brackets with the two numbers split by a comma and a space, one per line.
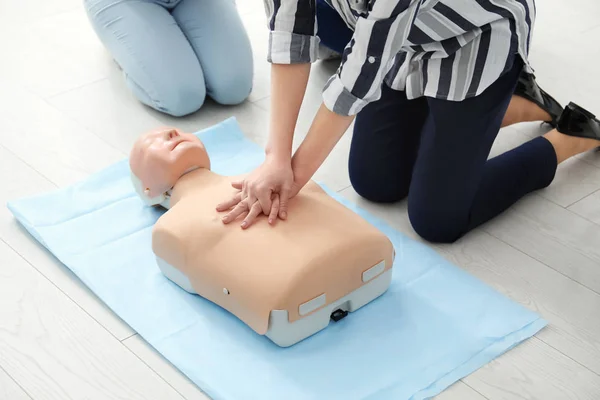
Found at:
[371, 59]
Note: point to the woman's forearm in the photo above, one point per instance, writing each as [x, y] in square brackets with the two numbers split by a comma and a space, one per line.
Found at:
[326, 130]
[288, 85]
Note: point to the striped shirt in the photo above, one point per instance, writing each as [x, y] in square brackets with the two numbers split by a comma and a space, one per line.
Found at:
[446, 49]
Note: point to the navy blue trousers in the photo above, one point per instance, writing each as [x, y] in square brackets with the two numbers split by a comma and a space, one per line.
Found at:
[435, 152]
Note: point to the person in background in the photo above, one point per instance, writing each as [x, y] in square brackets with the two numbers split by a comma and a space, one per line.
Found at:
[428, 85]
[174, 53]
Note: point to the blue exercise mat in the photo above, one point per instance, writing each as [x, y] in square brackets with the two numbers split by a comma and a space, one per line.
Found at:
[435, 325]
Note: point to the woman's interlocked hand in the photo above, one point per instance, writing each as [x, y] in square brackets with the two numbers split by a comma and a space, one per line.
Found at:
[266, 190]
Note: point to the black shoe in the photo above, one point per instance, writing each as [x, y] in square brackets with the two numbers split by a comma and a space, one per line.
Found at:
[577, 121]
[528, 88]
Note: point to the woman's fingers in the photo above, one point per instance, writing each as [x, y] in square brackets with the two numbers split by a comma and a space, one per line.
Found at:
[226, 205]
[274, 209]
[237, 185]
[255, 211]
[284, 196]
[236, 212]
[264, 198]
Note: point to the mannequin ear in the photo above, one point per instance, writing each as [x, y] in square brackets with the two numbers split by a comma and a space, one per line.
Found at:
[144, 192]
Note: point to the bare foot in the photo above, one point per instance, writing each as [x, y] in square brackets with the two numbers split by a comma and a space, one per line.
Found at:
[523, 110]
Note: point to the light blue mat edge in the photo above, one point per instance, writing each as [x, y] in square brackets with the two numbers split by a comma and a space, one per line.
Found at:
[491, 352]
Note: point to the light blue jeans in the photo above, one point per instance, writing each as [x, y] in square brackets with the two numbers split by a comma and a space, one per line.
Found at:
[174, 53]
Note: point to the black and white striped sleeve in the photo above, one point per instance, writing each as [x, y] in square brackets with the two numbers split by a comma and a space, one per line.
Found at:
[376, 41]
[292, 36]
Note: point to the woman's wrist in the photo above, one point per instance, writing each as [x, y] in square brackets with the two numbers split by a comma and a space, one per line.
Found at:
[278, 154]
[302, 175]
[326, 130]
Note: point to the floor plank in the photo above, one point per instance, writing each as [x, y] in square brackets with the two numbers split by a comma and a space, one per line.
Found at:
[535, 370]
[61, 149]
[553, 235]
[164, 368]
[19, 180]
[56, 53]
[15, 14]
[589, 207]
[54, 350]
[9, 390]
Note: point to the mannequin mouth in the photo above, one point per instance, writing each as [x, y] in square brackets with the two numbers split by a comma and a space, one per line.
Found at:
[180, 142]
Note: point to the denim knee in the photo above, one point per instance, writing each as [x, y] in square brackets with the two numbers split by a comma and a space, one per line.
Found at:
[233, 88]
[179, 103]
[176, 96]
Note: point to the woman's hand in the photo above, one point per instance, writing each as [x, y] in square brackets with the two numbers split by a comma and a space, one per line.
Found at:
[265, 191]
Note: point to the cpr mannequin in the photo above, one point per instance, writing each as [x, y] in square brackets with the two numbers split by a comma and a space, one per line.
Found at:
[284, 281]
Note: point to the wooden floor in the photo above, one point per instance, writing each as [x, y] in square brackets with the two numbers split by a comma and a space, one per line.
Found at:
[65, 112]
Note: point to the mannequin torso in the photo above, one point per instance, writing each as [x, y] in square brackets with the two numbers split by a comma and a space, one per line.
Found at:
[322, 247]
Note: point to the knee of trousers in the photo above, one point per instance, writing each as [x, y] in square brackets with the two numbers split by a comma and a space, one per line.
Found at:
[435, 224]
[178, 96]
[377, 190]
[234, 87]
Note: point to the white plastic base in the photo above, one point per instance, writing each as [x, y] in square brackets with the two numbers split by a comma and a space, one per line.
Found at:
[281, 331]
[175, 275]
[284, 334]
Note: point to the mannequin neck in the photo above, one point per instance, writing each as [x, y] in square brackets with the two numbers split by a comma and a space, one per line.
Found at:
[192, 181]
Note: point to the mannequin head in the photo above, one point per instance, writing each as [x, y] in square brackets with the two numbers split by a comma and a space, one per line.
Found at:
[160, 157]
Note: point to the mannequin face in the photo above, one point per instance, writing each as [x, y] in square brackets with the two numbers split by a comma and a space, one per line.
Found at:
[159, 158]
